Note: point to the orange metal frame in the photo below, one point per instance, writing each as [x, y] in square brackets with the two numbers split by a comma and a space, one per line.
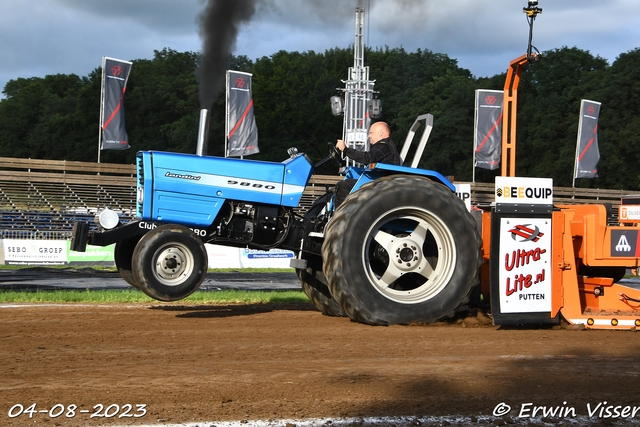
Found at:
[580, 234]
[510, 115]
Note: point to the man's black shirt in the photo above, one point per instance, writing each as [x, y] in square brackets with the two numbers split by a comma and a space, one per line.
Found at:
[383, 151]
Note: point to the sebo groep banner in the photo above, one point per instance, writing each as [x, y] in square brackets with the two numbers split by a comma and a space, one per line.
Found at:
[53, 252]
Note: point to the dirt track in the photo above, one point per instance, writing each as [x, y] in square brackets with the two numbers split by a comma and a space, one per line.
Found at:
[195, 363]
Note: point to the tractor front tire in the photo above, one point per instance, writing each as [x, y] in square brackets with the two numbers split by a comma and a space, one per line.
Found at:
[402, 249]
[169, 263]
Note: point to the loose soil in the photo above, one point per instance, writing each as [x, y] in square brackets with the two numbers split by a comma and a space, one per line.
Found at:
[283, 361]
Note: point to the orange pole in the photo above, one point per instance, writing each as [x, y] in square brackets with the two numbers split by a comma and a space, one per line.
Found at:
[510, 115]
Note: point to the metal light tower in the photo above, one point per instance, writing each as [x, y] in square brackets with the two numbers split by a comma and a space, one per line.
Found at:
[359, 104]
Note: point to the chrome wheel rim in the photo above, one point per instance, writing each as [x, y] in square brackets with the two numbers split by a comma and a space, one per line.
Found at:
[173, 264]
[409, 255]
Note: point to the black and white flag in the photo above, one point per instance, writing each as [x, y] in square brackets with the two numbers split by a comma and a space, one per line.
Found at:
[587, 152]
[487, 145]
[242, 132]
[115, 74]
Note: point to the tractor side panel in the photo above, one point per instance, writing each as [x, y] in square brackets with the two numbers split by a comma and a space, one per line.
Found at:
[296, 175]
[188, 189]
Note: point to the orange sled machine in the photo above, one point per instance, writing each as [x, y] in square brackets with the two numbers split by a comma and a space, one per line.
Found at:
[548, 260]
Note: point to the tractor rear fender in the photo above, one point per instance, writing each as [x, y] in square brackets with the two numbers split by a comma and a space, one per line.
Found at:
[380, 170]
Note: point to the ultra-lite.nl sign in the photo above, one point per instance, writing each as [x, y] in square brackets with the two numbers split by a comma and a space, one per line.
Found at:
[525, 265]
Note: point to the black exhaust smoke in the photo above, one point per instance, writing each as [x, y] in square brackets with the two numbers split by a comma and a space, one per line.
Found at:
[219, 24]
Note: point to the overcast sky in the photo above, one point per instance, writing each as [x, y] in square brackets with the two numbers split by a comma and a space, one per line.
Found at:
[40, 37]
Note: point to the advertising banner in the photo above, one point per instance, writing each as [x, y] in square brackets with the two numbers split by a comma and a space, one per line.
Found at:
[463, 191]
[222, 256]
[57, 252]
[488, 129]
[525, 265]
[115, 74]
[530, 191]
[275, 258]
[241, 129]
[624, 242]
[53, 252]
[94, 255]
[587, 152]
[35, 252]
[227, 257]
[629, 213]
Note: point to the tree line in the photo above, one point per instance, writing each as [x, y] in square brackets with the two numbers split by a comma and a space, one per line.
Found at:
[57, 116]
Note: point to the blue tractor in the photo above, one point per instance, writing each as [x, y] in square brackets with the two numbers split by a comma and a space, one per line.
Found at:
[401, 249]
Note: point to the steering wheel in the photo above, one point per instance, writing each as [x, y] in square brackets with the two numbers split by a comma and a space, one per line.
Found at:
[335, 154]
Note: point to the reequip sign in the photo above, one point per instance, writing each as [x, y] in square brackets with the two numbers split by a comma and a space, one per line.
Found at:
[463, 191]
[530, 191]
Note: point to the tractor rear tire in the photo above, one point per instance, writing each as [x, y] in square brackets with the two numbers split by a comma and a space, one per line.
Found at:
[400, 250]
[122, 255]
[312, 279]
[314, 285]
[169, 263]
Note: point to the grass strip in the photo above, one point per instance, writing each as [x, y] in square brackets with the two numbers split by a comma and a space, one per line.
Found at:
[113, 268]
[135, 296]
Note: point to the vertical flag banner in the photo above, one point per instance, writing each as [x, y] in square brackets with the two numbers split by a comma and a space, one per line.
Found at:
[241, 129]
[587, 152]
[487, 145]
[115, 74]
